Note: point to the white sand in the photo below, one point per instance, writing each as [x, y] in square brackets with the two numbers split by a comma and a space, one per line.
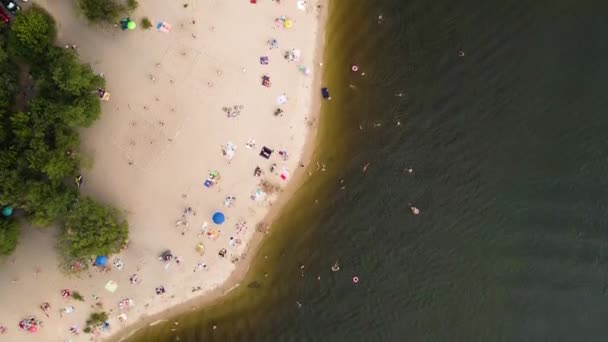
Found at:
[157, 141]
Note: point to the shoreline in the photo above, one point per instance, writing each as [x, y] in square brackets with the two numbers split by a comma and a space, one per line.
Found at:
[216, 295]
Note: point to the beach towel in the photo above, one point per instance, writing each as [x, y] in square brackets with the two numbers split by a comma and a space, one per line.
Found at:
[163, 27]
[111, 286]
[284, 174]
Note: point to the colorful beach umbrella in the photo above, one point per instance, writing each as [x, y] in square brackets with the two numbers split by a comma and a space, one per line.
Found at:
[131, 25]
[218, 218]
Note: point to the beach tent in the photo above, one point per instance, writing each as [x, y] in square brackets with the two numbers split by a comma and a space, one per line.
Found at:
[7, 211]
[101, 260]
[218, 218]
[111, 286]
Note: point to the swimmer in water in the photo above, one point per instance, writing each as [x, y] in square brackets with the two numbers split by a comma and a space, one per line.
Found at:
[399, 94]
[335, 267]
[380, 17]
[461, 53]
[414, 210]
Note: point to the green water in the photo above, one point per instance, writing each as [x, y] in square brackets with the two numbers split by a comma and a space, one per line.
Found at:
[509, 151]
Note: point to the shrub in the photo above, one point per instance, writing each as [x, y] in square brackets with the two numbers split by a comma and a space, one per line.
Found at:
[132, 5]
[9, 235]
[100, 10]
[145, 23]
[77, 296]
[32, 34]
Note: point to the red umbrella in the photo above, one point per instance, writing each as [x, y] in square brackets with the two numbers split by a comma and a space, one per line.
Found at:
[33, 329]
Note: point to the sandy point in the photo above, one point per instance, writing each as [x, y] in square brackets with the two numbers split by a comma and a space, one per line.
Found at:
[183, 136]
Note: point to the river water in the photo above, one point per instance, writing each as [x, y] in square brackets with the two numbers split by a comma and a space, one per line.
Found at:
[509, 154]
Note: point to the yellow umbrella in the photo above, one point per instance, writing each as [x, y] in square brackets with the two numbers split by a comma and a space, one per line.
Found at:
[200, 247]
[287, 23]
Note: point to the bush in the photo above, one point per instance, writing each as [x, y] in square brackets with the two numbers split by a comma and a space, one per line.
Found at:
[145, 23]
[100, 10]
[9, 235]
[132, 5]
[93, 229]
[77, 296]
[96, 319]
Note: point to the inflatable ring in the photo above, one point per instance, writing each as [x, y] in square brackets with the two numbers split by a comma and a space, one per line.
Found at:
[355, 279]
[354, 68]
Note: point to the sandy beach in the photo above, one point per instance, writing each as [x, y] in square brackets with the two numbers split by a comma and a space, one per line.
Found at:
[180, 139]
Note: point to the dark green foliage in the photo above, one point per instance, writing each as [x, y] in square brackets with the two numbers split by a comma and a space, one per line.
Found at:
[145, 23]
[72, 78]
[32, 34]
[100, 10]
[48, 201]
[132, 5]
[38, 142]
[96, 319]
[77, 296]
[93, 229]
[9, 235]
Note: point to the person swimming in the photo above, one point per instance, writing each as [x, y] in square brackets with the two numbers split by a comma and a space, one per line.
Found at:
[335, 267]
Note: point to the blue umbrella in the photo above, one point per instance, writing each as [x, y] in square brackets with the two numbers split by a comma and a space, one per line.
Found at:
[7, 211]
[101, 260]
[218, 218]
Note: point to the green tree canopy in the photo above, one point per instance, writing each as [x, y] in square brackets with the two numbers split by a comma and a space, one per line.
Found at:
[47, 201]
[93, 229]
[39, 143]
[72, 78]
[9, 235]
[101, 10]
[32, 33]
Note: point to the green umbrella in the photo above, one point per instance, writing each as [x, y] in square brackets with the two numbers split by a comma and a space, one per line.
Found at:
[131, 25]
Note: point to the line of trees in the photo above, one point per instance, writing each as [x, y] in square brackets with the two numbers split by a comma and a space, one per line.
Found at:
[39, 140]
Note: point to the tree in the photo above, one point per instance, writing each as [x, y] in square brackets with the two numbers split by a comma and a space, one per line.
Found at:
[100, 10]
[8, 87]
[91, 228]
[47, 202]
[9, 235]
[12, 183]
[72, 78]
[32, 33]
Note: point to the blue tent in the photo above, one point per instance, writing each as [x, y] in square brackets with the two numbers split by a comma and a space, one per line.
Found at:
[101, 260]
[218, 218]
